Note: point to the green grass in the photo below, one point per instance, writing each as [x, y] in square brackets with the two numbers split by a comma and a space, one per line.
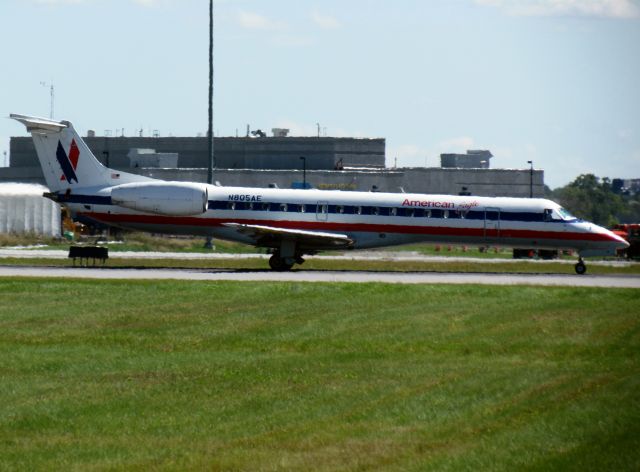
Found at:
[130, 242]
[124, 375]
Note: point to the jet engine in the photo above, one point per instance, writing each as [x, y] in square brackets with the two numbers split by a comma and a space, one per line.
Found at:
[162, 198]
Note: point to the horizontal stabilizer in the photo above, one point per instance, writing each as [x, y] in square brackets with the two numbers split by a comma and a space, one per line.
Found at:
[34, 123]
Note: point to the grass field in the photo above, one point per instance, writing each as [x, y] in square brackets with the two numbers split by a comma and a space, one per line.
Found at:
[238, 376]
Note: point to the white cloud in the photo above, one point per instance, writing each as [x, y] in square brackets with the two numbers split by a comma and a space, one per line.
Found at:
[254, 21]
[325, 21]
[412, 155]
[626, 9]
[408, 155]
[459, 144]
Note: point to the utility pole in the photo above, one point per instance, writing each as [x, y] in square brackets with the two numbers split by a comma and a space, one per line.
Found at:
[530, 179]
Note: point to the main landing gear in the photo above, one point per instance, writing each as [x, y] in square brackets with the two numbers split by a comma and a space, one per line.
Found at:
[283, 264]
[580, 267]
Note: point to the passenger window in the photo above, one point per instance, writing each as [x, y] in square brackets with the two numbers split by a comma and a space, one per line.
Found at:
[265, 207]
[231, 205]
[359, 210]
[283, 207]
[375, 211]
[339, 209]
[446, 214]
[427, 213]
[394, 212]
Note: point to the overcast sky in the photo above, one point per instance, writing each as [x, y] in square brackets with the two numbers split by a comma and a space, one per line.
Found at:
[553, 81]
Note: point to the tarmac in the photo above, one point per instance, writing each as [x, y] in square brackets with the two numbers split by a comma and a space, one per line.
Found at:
[302, 275]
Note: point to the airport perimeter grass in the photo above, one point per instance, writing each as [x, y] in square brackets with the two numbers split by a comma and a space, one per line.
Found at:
[139, 375]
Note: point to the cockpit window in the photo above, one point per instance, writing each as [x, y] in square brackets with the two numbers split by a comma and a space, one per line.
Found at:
[558, 214]
[565, 215]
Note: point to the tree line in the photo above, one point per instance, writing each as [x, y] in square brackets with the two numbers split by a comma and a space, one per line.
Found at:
[595, 199]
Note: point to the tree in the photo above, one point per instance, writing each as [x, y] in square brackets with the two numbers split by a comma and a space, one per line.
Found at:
[591, 198]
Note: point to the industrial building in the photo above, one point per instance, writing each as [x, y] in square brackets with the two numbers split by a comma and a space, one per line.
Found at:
[286, 162]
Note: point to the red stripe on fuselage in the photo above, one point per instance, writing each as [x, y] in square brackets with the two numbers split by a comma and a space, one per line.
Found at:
[352, 227]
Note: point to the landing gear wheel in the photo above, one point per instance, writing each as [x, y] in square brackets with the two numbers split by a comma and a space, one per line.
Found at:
[580, 267]
[277, 263]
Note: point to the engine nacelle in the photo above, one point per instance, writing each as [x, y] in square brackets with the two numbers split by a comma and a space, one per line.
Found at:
[162, 198]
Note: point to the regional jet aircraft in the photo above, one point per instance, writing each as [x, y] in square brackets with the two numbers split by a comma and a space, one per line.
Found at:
[294, 223]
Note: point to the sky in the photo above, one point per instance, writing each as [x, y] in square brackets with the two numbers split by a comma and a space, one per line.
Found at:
[555, 82]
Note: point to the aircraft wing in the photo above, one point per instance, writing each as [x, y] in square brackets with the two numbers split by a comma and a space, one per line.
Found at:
[270, 236]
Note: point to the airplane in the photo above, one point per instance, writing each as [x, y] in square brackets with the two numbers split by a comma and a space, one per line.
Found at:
[295, 223]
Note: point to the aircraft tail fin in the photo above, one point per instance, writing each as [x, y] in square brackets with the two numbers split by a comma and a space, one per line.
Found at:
[66, 160]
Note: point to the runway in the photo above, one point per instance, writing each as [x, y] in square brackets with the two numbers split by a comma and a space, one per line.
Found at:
[608, 281]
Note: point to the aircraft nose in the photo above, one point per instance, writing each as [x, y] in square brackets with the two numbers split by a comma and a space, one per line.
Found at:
[619, 242]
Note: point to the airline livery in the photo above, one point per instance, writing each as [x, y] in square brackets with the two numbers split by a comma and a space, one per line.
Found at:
[294, 223]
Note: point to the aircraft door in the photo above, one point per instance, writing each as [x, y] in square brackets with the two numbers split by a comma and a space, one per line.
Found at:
[322, 211]
[491, 223]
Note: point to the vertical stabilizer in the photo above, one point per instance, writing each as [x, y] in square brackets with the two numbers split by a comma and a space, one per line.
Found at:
[66, 160]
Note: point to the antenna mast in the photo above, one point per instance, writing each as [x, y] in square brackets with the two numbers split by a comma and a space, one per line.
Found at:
[52, 94]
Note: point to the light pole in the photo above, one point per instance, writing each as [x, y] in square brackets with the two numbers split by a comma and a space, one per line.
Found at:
[304, 172]
[208, 244]
[210, 128]
[530, 179]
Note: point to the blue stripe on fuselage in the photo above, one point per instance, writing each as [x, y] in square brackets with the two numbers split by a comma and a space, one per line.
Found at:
[268, 207]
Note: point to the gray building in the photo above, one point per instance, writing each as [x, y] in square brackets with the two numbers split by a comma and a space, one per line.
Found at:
[331, 163]
[473, 159]
[230, 153]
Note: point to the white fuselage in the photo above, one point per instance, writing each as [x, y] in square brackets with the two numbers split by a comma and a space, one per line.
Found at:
[297, 222]
[369, 219]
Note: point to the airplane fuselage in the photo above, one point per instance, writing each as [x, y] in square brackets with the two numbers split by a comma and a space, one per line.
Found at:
[369, 219]
[297, 222]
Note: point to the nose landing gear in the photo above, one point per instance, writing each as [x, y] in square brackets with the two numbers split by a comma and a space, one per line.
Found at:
[580, 267]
